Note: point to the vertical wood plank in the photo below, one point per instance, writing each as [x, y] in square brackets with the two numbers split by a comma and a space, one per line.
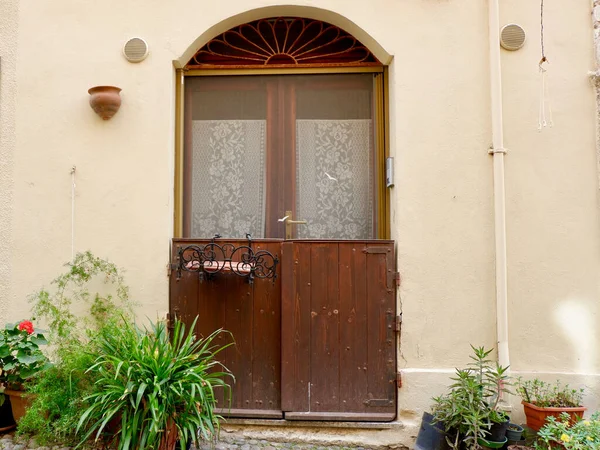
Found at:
[302, 326]
[266, 364]
[353, 327]
[381, 342]
[237, 302]
[288, 323]
[324, 358]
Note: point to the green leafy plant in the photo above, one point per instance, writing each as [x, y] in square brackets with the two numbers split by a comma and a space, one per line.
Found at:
[561, 434]
[55, 305]
[20, 355]
[473, 401]
[153, 388]
[83, 304]
[548, 395]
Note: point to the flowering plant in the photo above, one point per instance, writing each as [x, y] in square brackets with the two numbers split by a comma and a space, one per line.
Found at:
[560, 434]
[20, 354]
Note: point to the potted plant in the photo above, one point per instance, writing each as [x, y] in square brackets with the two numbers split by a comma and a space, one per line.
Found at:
[564, 433]
[20, 359]
[514, 432]
[541, 400]
[472, 406]
[153, 388]
[431, 434]
[7, 422]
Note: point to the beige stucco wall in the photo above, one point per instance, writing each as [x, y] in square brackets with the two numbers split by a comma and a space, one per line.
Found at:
[9, 12]
[442, 203]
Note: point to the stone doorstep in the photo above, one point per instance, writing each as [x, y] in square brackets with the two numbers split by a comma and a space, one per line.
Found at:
[312, 435]
[255, 434]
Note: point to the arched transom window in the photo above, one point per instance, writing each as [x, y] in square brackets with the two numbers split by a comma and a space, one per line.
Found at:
[283, 42]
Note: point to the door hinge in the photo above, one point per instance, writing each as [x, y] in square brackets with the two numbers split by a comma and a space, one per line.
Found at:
[376, 250]
[398, 323]
[379, 402]
[170, 268]
[397, 278]
[398, 380]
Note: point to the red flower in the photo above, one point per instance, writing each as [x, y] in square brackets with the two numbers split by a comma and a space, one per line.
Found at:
[27, 326]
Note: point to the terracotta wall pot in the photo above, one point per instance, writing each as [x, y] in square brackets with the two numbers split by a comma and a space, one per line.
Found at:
[536, 416]
[105, 100]
[19, 401]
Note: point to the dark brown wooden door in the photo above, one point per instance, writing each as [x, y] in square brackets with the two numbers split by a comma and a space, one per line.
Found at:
[252, 314]
[339, 345]
[316, 344]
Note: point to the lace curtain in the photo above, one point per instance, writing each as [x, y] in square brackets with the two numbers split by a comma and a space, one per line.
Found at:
[228, 178]
[334, 179]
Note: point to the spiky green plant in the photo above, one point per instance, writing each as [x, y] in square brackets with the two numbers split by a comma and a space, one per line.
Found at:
[149, 382]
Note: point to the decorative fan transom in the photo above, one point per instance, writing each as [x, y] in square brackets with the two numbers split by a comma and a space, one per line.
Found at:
[283, 42]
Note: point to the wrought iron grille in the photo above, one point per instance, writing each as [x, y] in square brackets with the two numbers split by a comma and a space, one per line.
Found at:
[212, 258]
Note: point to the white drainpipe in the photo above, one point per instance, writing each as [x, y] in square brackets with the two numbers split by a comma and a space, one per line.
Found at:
[498, 153]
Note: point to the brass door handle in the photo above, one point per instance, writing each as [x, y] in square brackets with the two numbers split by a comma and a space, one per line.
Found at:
[289, 222]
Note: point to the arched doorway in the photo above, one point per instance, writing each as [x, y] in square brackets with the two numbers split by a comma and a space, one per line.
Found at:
[282, 138]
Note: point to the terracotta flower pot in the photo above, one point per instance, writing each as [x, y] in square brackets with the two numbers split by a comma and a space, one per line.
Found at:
[7, 422]
[19, 401]
[105, 100]
[536, 416]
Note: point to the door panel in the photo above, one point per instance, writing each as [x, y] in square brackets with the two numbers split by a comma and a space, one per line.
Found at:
[259, 146]
[338, 313]
[251, 313]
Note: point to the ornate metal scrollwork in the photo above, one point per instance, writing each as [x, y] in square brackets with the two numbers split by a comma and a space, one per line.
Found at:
[212, 258]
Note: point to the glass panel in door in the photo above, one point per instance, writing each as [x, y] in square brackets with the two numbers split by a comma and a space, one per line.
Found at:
[334, 157]
[280, 157]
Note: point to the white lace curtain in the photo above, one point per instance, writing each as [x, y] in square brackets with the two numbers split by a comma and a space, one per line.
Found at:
[334, 173]
[228, 178]
[334, 179]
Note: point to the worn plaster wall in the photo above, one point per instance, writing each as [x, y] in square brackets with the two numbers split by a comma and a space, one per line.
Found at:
[9, 15]
[442, 215]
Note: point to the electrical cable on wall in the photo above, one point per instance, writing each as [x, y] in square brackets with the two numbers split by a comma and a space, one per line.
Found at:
[545, 113]
[73, 186]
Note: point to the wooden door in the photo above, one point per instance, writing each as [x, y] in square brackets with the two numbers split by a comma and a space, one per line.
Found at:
[251, 313]
[339, 317]
[317, 343]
